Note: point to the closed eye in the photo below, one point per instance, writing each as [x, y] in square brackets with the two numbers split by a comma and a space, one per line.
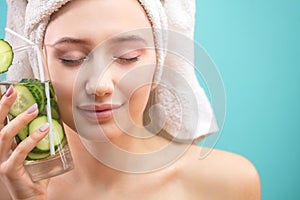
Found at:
[72, 58]
[72, 62]
[125, 60]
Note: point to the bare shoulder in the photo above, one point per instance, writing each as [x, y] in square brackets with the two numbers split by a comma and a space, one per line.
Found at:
[220, 175]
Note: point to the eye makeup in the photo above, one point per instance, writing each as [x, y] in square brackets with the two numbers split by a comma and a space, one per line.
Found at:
[123, 50]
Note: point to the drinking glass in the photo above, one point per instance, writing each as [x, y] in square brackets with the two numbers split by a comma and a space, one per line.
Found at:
[51, 156]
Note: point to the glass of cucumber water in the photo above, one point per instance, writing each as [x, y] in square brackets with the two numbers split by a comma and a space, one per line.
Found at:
[51, 156]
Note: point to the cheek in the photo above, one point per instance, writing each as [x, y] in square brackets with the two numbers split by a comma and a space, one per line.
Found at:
[138, 101]
[136, 86]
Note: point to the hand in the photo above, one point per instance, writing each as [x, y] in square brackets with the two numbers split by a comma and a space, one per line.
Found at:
[12, 171]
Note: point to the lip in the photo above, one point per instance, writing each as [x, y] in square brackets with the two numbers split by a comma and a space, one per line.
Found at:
[98, 112]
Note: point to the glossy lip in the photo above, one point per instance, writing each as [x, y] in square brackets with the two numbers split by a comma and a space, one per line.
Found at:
[99, 112]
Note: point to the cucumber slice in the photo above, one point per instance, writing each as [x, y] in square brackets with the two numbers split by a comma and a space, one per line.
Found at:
[29, 80]
[23, 133]
[58, 133]
[37, 156]
[6, 56]
[38, 92]
[52, 93]
[54, 109]
[53, 103]
[23, 102]
[57, 148]
[35, 150]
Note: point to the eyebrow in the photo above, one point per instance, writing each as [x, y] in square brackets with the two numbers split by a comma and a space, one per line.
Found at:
[113, 40]
[128, 38]
[70, 40]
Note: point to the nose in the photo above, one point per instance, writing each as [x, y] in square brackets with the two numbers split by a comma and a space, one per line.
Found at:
[100, 86]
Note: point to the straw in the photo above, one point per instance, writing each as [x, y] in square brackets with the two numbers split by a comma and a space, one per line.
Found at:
[49, 116]
[42, 79]
[19, 36]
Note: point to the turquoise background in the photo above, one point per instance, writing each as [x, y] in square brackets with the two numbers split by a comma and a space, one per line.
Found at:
[256, 47]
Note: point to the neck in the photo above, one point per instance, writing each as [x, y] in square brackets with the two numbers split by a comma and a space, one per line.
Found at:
[121, 155]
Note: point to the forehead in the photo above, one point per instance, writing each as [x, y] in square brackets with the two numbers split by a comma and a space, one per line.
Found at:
[96, 19]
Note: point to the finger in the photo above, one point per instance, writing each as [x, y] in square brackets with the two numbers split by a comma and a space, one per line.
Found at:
[8, 133]
[20, 153]
[6, 102]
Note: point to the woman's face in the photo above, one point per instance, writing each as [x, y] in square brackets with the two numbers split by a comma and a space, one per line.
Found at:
[101, 59]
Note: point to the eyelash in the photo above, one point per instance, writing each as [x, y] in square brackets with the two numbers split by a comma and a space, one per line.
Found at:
[71, 62]
[126, 61]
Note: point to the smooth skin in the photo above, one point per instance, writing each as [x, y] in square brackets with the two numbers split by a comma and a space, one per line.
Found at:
[220, 175]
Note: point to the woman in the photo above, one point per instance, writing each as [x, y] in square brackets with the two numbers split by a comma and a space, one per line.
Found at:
[73, 32]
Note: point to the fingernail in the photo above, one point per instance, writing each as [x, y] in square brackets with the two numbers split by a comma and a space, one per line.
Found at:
[32, 108]
[9, 91]
[44, 127]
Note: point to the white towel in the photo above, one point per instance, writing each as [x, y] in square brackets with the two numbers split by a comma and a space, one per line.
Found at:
[188, 119]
